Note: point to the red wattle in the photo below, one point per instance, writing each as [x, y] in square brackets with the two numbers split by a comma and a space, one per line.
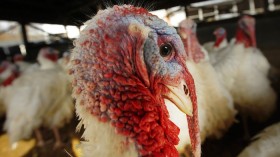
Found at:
[219, 41]
[247, 39]
[10, 79]
[193, 124]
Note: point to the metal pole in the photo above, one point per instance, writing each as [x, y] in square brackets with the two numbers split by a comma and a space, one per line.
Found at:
[24, 35]
[200, 14]
[186, 11]
[269, 5]
[265, 7]
[252, 7]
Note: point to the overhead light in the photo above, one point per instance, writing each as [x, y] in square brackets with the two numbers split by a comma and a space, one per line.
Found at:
[72, 32]
[54, 29]
[175, 19]
[160, 13]
[212, 2]
[22, 49]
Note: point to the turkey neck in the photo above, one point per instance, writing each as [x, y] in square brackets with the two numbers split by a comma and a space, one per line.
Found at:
[193, 48]
[219, 40]
[247, 38]
[135, 114]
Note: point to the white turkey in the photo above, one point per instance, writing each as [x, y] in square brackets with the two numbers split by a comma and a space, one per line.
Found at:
[251, 89]
[39, 98]
[213, 48]
[8, 73]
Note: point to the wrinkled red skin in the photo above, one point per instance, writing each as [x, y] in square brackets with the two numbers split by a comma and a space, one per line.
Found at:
[2, 69]
[49, 53]
[193, 123]
[195, 49]
[242, 37]
[221, 35]
[219, 40]
[246, 35]
[192, 46]
[15, 74]
[52, 57]
[119, 92]
[10, 79]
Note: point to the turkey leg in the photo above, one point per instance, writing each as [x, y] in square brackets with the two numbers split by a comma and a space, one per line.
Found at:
[58, 142]
[40, 140]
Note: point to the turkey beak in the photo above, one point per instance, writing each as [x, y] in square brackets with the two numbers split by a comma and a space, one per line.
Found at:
[180, 97]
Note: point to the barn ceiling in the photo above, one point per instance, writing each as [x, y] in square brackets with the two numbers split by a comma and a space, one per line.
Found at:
[71, 12]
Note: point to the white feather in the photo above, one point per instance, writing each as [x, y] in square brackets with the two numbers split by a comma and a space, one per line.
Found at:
[98, 135]
[252, 91]
[265, 144]
[38, 98]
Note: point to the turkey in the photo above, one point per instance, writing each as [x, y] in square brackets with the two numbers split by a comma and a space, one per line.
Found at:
[215, 105]
[213, 47]
[264, 144]
[40, 98]
[252, 91]
[124, 64]
[8, 73]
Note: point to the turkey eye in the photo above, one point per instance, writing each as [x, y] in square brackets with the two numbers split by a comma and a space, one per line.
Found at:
[165, 50]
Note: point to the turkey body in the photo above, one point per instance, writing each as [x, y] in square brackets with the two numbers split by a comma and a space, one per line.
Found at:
[252, 91]
[7, 76]
[265, 144]
[39, 98]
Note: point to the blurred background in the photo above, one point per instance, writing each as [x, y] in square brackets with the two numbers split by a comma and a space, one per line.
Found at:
[26, 26]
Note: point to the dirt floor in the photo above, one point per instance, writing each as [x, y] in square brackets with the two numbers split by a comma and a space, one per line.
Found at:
[229, 146]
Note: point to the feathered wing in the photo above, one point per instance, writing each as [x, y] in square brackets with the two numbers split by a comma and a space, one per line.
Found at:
[22, 111]
[265, 144]
[252, 91]
[227, 64]
[62, 107]
[260, 61]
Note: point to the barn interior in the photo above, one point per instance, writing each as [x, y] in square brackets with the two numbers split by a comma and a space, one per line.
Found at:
[23, 30]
